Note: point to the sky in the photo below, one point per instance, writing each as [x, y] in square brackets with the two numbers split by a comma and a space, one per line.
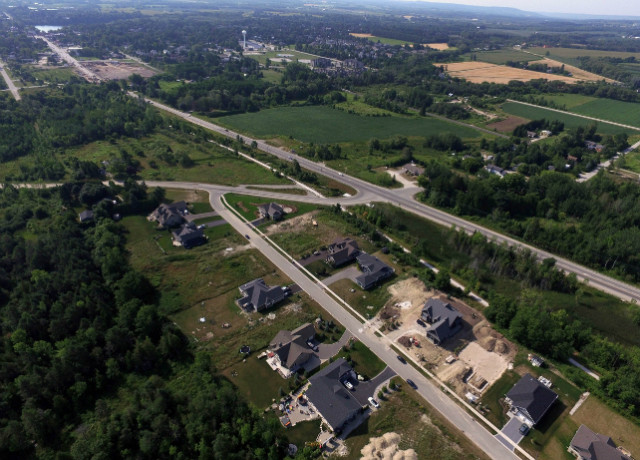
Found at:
[609, 7]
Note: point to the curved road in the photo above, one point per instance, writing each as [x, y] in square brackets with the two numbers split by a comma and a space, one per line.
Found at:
[401, 198]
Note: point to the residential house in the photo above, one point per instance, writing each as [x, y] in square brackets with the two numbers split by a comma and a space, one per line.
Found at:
[85, 216]
[327, 393]
[445, 321]
[189, 236]
[593, 146]
[587, 445]
[497, 170]
[169, 215]
[291, 351]
[532, 134]
[530, 399]
[342, 252]
[321, 63]
[412, 169]
[258, 296]
[373, 271]
[271, 211]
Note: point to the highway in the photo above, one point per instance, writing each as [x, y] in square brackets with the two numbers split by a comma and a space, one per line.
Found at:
[370, 193]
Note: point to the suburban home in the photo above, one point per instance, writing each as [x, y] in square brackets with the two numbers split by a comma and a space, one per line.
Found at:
[335, 404]
[169, 215]
[342, 252]
[412, 169]
[497, 170]
[85, 216]
[530, 399]
[593, 146]
[271, 211]
[291, 351]
[587, 445]
[258, 296]
[445, 321]
[188, 236]
[373, 271]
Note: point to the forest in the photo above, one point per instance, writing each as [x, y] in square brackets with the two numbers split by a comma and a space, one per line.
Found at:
[90, 368]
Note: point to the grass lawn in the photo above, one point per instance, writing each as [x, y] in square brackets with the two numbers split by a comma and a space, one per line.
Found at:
[570, 121]
[421, 428]
[248, 206]
[256, 381]
[569, 101]
[367, 303]
[322, 124]
[365, 362]
[491, 397]
[500, 57]
[303, 432]
[54, 75]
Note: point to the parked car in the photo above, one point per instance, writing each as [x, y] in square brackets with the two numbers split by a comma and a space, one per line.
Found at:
[421, 323]
[312, 345]
[348, 384]
[524, 429]
[402, 360]
[247, 236]
[373, 402]
[412, 384]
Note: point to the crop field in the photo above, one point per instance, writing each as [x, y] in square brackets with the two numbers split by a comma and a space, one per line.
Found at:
[607, 109]
[569, 101]
[572, 53]
[326, 125]
[500, 57]
[438, 46]
[570, 121]
[575, 71]
[383, 40]
[480, 72]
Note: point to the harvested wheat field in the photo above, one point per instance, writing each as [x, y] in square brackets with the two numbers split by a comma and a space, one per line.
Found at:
[360, 35]
[437, 46]
[481, 72]
[576, 72]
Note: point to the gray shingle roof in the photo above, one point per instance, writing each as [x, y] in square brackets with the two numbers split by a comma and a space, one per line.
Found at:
[189, 235]
[342, 251]
[291, 346]
[445, 320]
[532, 397]
[594, 446]
[335, 403]
[373, 270]
[258, 296]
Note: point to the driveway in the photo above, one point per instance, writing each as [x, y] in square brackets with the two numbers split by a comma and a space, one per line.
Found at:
[511, 431]
[348, 273]
[313, 257]
[191, 217]
[363, 390]
[326, 351]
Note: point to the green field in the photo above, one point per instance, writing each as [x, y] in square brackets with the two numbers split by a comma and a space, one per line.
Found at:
[621, 112]
[54, 75]
[569, 101]
[500, 57]
[321, 124]
[388, 41]
[572, 53]
[570, 121]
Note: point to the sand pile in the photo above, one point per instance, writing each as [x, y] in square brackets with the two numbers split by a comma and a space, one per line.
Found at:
[386, 448]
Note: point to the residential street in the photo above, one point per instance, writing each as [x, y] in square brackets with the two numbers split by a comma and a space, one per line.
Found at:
[9, 82]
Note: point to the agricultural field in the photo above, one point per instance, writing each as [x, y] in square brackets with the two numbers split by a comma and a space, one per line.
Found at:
[608, 109]
[570, 121]
[575, 71]
[501, 57]
[568, 101]
[383, 40]
[572, 53]
[481, 72]
[321, 124]
[438, 46]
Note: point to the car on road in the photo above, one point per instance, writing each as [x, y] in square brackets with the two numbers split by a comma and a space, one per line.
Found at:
[373, 402]
[524, 429]
[247, 237]
[412, 384]
[401, 359]
[348, 384]
[421, 323]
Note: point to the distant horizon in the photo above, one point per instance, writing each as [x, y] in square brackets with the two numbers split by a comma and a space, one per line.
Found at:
[577, 7]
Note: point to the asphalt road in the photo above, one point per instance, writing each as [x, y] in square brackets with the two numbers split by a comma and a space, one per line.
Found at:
[403, 198]
[9, 82]
[65, 56]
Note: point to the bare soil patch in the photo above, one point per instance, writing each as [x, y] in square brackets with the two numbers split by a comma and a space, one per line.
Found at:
[508, 124]
[360, 35]
[117, 70]
[437, 46]
[298, 224]
[480, 72]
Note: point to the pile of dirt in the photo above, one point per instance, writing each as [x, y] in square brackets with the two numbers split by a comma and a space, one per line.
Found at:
[386, 447]
[501, 348]
[388, 312]
[299, 224]
[405, 341]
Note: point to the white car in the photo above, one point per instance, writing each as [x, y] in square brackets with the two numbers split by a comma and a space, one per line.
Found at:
[373, 402]
[348, 384]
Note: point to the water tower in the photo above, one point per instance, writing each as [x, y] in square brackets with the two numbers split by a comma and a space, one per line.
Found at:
[244, 38]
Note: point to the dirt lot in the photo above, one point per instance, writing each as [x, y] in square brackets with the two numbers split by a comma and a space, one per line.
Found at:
[508, 124]
[117, 70]
[577, 73]
[360, 35]
[299, 224]
[437, 46]
[481, 354]
[479, 72]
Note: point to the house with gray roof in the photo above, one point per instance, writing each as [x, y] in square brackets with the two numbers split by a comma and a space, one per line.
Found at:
[189, 236]
[588, 445]
[373, 271]
[412, 169]
[257, 296]
[530, 399]
[327, 393]
[342, 252]
[85, 216]
[169, 215]
[445, 321]
[291, 349]
[271, 211]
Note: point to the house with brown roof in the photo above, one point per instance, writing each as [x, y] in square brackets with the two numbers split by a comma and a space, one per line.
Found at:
[588, 445]
[342, 252]
[291, 350]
